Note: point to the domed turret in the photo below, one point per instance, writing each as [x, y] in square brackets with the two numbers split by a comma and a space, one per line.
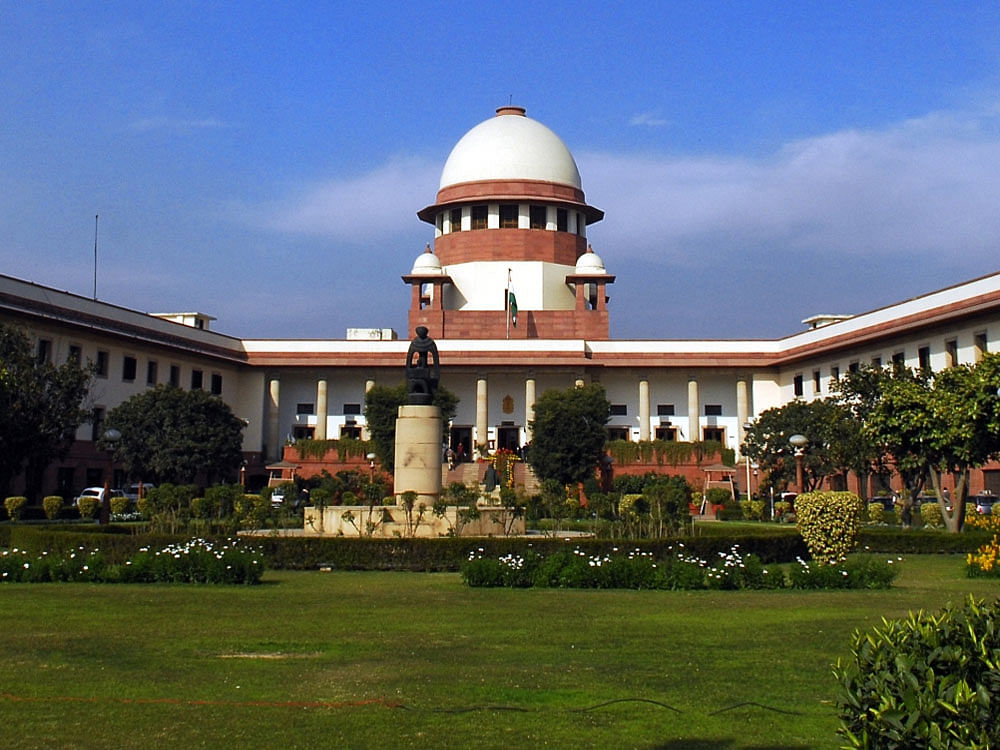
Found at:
[427, 263]
[590, 263]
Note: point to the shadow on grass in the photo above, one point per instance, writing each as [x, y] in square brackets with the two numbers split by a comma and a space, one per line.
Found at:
[722, 744]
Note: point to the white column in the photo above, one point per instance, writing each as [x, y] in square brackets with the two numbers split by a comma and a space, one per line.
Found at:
[742, 412]
[365, 432]
[321, 409]
[644, 409]
[482, 414]
[694, 434]
[273, 434]
[529, 406]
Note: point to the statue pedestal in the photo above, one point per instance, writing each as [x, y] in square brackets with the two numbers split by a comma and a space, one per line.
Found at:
[418, 453]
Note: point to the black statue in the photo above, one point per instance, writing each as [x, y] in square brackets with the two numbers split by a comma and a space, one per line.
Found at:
[421, 376]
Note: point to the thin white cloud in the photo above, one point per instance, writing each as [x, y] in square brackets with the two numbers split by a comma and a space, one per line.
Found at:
[648, 119]
[176, 125]
[370, 207]
[924, 186]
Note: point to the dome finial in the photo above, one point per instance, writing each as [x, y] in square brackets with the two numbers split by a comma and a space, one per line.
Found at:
[511, 109]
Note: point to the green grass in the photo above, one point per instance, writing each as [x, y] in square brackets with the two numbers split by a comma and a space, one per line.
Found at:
[419, 660]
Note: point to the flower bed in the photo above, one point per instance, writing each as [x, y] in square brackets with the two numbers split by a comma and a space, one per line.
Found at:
[195, 561]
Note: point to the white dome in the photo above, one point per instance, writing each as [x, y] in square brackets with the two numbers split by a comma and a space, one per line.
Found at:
[590, 263]
[510, 146]
[426, 263]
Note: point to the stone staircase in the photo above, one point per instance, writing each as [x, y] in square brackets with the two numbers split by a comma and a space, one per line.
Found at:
[472, 473]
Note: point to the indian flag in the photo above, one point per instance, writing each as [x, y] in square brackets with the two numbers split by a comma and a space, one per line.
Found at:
[511, 300]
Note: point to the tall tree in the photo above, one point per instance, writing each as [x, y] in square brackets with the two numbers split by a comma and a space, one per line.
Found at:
[173, 435]
[568, 433]
[381, 409]
[41, 406]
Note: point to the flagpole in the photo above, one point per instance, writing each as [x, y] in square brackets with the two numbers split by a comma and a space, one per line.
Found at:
[506, 303]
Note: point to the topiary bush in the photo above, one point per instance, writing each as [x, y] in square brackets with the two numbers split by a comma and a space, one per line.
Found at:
[829, 523]
[14, 505]
[930, 514]
[876, 513]
[52, 504]
[926, 681]
[88, 506]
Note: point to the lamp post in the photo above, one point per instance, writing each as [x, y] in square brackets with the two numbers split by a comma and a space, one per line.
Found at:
[799, 443]
[371, 467]
[110, 439]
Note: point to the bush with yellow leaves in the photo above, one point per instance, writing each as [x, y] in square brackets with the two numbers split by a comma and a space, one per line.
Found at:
[829, 523]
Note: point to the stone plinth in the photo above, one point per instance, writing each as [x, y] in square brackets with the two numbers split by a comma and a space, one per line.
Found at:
[389, 522]
[418, 452]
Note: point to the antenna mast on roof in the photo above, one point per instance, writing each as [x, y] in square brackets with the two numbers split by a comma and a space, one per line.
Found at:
[96, 216]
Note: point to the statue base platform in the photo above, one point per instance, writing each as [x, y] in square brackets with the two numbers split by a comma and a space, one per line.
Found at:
[418, 452]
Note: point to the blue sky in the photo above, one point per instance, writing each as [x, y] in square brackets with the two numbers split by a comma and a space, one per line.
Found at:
[758, 162]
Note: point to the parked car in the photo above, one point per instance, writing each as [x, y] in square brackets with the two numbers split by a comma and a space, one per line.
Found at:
[984, 504]
[98, 494]
[132, 491]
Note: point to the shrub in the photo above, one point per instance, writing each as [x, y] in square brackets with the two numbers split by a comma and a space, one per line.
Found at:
[862, 572]
[876, 513]
[119, 506]
[14, 505]
[88, 506]
[829, 523]
[930, 514]
[781, 508]
[926, 681]
[52, 504]
[984, 561]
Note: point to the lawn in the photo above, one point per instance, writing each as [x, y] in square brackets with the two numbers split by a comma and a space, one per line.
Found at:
[418, 660]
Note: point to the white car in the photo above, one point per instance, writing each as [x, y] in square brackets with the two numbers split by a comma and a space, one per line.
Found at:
[98, 494]
[132, 493]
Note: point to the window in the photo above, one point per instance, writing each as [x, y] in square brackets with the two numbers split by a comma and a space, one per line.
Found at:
[75, 353]
[175, 376]
[924, 357]
[664, 410]
[713, 410]
[991, 481]
[877, 362]
[456, 220]
[979, 344]
[618, 433]
[537, 217]
[816, 383]
[619, 410]
[718, 434]
[951, 352]
[97, 423]
[352, 409]
[480, 215]
[666, 433]
[216, 386]
[508, 216]
[305, 408]
[301, 432]
[853, 367]
[562, 220]
[151, 372]
[44, 351]
[101, 366]
[797, 385]
[128, 368]
[834, 373]
[196, 379]
[350, 431]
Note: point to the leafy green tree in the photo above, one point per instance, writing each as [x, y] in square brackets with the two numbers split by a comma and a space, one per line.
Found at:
[381, 409]
[568, 433]
[41, 406]
[767, 441]
[173, 435]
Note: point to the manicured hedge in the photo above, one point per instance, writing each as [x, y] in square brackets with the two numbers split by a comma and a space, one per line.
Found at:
[921, 541]
[116, 543]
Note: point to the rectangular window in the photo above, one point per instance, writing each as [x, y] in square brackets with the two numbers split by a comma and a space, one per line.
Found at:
[44, 351]
[216, 385]
[305, 408]
[75, 353]
[480, 216]
[713, 410]
[877, 362]
[97, 423]
[797, 385]
[816, 382]
[537, 217]
[128, 368]
[101, 365]
[508, 216]
[619, 410]
[991, 481]
[898, 360]
[853, 367]
[834, 373]
[352, 409]
[562, 220]
[151, 372]
[618, 433]
[718, 434]
[666, 433]
[924, 357]
[979, 345]
[197, 378]
[664, 410]
[175, 376]
[951, 353]
[456, 220]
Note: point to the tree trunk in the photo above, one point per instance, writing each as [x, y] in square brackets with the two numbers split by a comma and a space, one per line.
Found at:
[954, 520]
